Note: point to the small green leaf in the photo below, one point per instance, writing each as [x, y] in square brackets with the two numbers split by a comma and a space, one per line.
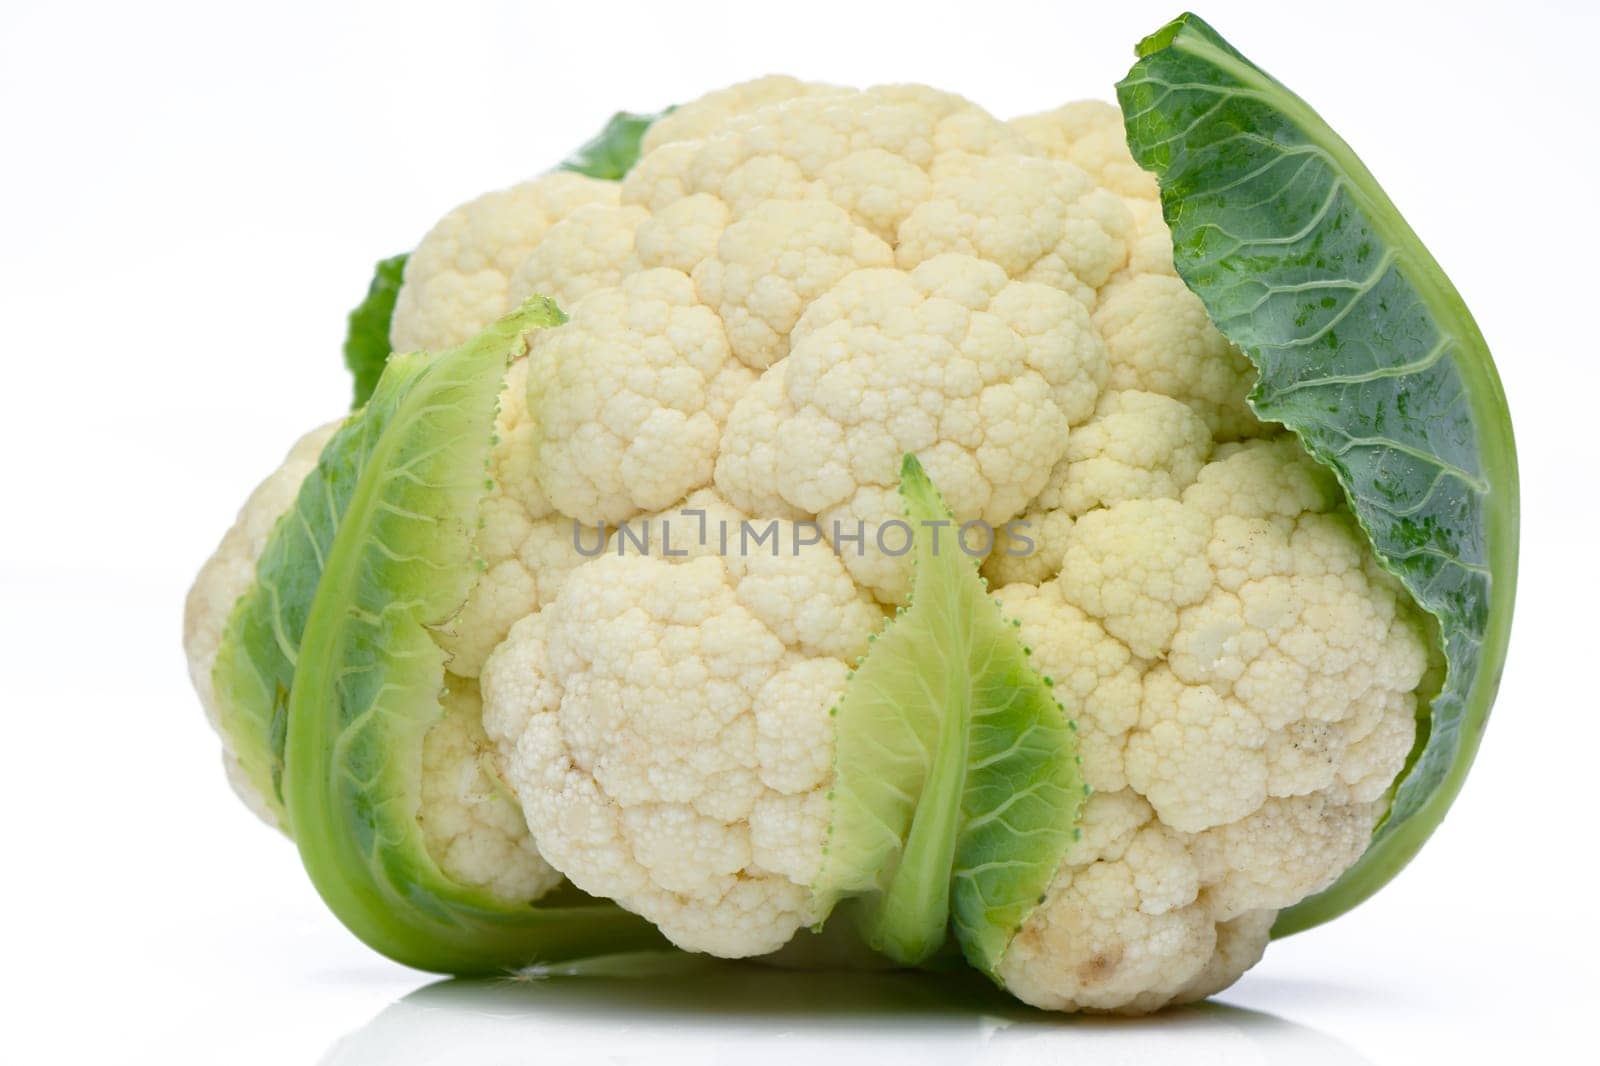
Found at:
[366, 342]
[1365, 351]
[615, 149]
[957, 779]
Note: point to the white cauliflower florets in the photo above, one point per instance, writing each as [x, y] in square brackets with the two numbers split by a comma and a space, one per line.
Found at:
[459, 278]
[1159, 339]
[1037, 219]
[699, 117]
[664, 725]
[1276, 704]
[470, 823]
[978, 375]
[1089, 134]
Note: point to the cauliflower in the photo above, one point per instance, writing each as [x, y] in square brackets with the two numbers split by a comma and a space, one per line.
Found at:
[713, 664]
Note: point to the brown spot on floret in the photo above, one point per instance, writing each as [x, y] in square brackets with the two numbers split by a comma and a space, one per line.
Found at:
[1100, 968]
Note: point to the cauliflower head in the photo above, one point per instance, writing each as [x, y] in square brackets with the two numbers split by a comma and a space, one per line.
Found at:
[689, 537]
[795, 286]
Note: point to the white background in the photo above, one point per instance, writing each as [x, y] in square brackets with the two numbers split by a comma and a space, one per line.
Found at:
[191, 197]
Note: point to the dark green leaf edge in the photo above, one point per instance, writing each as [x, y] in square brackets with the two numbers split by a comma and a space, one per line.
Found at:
[366, 341]
[612, 152]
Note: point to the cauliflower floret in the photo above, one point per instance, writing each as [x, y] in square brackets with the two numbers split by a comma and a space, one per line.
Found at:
[772, 263]
[1037, 219]
[592, 248]
[1135, 566]
[1140, 915]
[747, 461]
[1299, 654]
[1279, 649]
[978, 375]
[1029, 549]
[1089, 134]
[1265, 480]
[226, 576]
[1150, 246]
[871, 153]
[1158, 339]
[1240, 944]
[786, 574]
[1282, 852]
[665, 725]
[459, 278]
[1123, 926]
[1139, 445]
[699, 117]
[630, 398]
[470, 823]
[682, 234]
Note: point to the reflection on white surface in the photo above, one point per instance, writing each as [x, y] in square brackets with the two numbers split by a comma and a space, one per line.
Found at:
[717, 1014]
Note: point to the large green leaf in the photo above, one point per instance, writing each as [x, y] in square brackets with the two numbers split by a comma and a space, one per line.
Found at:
[957, 784]
[1367, 352]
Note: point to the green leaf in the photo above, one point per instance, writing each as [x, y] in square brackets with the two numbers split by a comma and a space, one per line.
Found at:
[957, 785]
[408, 476]
[1368, 354]
[328, 677]
[611, 153]
[255, 664]
[366, 341]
